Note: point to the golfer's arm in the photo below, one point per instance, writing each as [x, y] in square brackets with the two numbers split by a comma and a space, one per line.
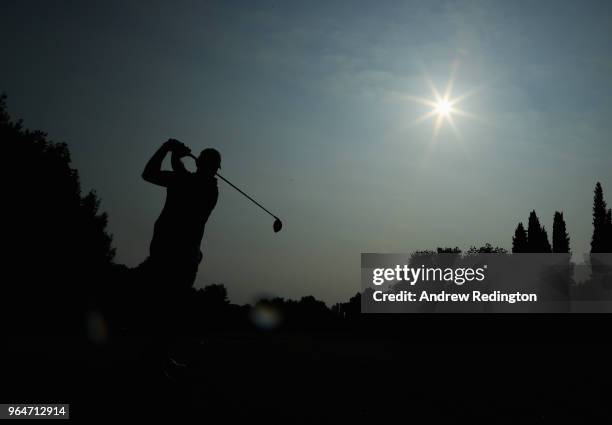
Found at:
[153, 172]
[177, 164]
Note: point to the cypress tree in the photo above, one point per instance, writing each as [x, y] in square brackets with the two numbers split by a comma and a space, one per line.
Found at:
[561, 240]
[519, 240]
[534, 230]
[537, 237]
[598, 241]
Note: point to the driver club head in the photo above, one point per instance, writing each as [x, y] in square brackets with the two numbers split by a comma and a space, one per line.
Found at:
[277, 226]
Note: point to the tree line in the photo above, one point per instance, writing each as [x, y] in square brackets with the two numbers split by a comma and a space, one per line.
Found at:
[534, 239]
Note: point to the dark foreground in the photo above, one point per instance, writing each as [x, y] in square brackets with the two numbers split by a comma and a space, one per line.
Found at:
[319, 376]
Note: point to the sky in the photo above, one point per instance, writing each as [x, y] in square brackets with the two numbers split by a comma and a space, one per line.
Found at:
[311, 105]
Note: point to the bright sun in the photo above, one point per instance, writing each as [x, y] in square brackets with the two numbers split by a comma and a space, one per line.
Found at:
[443, 105]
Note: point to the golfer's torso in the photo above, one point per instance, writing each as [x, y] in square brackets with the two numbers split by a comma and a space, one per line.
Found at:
[180, 227]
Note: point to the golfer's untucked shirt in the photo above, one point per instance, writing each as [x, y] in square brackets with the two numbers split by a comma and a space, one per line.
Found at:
[178, 232]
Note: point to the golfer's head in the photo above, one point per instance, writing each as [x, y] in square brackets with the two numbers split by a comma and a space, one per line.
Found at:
[209, 161]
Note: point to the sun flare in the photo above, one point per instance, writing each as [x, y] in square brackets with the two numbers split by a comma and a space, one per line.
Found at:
[444, 107]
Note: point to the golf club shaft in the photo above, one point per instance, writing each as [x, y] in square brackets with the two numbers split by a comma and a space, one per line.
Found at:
[235, 187]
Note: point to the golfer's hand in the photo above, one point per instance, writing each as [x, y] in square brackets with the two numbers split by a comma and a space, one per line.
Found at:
[171, 144]
[177, 148]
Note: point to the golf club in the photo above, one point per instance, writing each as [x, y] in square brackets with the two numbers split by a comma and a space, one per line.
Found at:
[278, 224]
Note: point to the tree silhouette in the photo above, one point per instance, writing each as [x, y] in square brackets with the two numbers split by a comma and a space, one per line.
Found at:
[487, 248]
[424, 257]
[519, 240]
[214, 295]
[350, 309]
[533, 232]
[598, 241]
[59, 249]
[447, 250]
[451, 255]
[537, 237]
[561, 240]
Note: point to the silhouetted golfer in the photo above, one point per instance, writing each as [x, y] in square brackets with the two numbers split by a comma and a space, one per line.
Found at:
[174, 252]
[190, 198]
